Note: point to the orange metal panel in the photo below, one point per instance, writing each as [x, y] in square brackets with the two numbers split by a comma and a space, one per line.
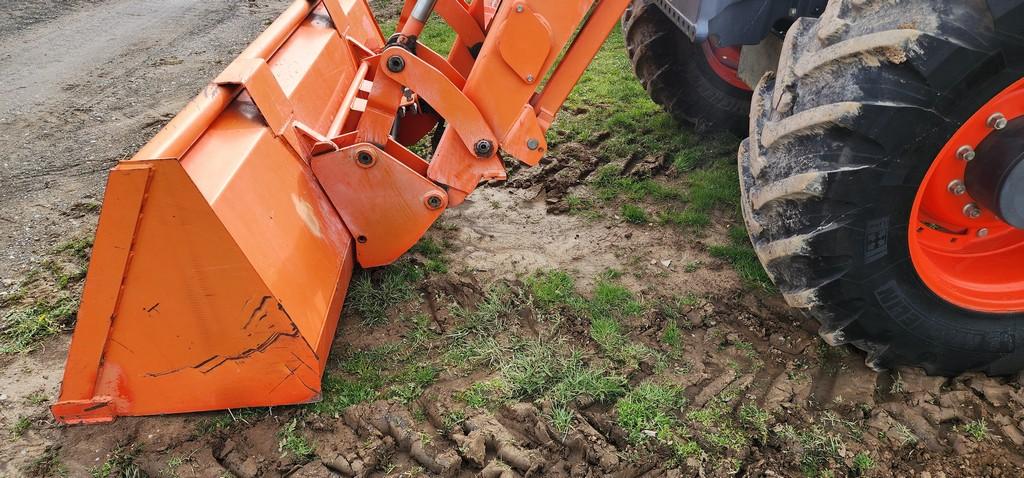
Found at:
[431, 85]
[387, 205]
[219, 274]
[196, 327]
[455, 14]
[117, 226]
[525, 43]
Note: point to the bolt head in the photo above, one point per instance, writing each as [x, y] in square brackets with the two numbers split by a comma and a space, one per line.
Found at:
[484, 148]
[530, 78]
[533, 144]
[966, 153]
[396, 64]
[983, 232]
[997, 121]
[957, 187]
[519, 9]
[364, 158]
[972, 211]
[434, 201]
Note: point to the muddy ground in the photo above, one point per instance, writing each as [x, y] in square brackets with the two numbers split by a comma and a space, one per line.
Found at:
[538, 331]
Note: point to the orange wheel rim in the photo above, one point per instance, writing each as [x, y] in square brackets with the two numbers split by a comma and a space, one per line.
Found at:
[974, 262]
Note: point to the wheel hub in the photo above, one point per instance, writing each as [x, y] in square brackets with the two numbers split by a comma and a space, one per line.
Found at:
[966, 234]
[995, 178]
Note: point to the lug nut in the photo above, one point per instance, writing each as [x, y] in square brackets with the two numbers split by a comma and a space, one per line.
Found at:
[957, 187]
[983, 232]
[965, 153]
[972, 211]
[484, 148]
[997, 121]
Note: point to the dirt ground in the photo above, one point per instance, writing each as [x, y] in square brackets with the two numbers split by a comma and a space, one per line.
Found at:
[491, 362]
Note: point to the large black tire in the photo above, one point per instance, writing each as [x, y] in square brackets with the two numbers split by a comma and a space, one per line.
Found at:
[677, 75]
[841, 138]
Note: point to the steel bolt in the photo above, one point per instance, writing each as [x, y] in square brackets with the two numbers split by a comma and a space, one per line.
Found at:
[972, 211]
[364, 158]
[519, 9]
[533, 144]
[957, 187]
[983, 232]
[434, 201]
[361, 239]
[396, 64]
[530, 78]
[966, 153]
[997, 121]
[484, 148]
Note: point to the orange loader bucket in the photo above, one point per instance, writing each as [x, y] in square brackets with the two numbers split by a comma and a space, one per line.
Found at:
[220, 265]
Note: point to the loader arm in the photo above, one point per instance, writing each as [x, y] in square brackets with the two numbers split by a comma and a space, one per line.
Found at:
[226, 245]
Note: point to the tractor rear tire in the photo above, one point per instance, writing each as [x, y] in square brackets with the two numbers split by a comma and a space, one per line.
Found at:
[841, 138]
[677, 76]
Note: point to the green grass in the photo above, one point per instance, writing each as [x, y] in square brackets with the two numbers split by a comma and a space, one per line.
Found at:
[817, 450]
[863, 463]
[373, 295]
[608, 98]
[672, 336]
[609, 305]
[340, 393]
[120, 464]
[538, 369]
[634, 214]
[609, 184]
[977, 430]
[293, 443]
[226, 421]
[648, 410]
[490, 315]
[433, 252]
[47, 465]
[22, 329]
[21, 426]
[553, 289]
[740, 254]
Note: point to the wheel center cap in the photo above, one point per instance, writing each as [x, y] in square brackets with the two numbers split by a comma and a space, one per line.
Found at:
[995, 178]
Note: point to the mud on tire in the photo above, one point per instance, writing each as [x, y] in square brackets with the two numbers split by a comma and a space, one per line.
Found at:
[841, 138]
[677, 76]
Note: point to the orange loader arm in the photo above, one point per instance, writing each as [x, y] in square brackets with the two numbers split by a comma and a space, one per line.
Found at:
[226, 245]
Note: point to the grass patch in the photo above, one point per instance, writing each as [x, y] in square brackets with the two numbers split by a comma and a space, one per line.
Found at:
[740, 254]
[634, 214]
[608, 98]
[543, 370]
[818, 450]
[489, 316]
[553, 289]
[433, 252]
[863, 463]
[647, 412]
[21, 330]
[21, 426]
[120, 464]
[976, 430]
[293, 443]
[374, 294]
[226, 421]
[48, 464]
